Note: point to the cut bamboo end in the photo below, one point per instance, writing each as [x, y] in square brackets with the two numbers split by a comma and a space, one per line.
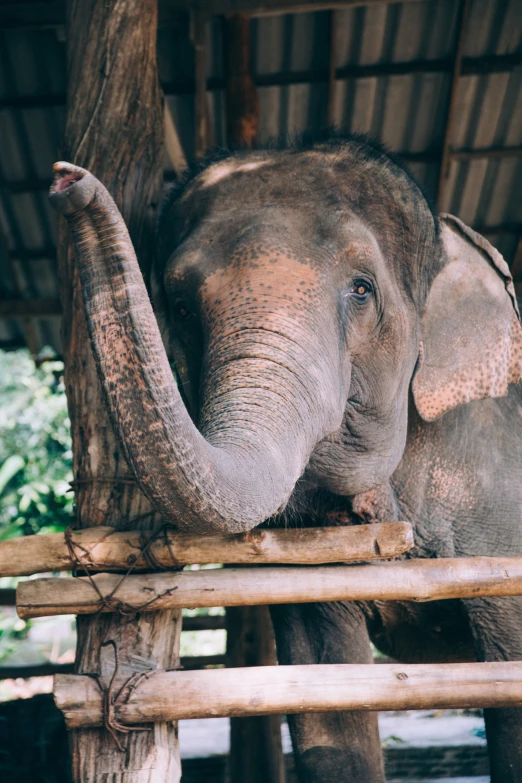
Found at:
[413, 580]
[265, 690]
[105, 549]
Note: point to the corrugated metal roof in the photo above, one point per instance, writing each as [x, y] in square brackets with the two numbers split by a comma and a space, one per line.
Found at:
[290, 60]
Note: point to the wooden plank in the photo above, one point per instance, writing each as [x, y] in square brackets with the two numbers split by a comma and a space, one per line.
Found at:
[410, 580]
[462, 17]
[36, 308]
[266, 690]
[485, 152]
[107, 549]
[272, 7]
[16, 14]
[501, 63]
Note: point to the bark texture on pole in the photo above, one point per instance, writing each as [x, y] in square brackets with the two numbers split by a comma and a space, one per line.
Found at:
[114, 126]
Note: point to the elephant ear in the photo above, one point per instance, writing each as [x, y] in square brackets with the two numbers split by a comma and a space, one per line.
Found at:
[471, 334]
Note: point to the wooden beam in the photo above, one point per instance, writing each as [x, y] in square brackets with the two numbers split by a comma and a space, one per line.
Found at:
[256, 750]
[241, 101]
[410, 580]
[16, 14]
[333, 23]
[269, 690]
[485, 152]
[114, 127]
[106, 549]
[503, 63]
[23, 308]
[461, 30]
[200, 82]
[270, 7]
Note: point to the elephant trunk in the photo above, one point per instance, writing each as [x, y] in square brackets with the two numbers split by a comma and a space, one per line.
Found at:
[235, 477]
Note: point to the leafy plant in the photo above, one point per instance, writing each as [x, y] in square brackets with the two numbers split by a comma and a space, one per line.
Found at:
[35, 447]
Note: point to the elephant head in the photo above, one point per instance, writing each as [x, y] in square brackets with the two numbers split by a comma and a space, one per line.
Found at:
[305, 293]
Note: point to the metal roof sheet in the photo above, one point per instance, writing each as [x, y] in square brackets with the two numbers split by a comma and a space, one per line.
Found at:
[405, 110]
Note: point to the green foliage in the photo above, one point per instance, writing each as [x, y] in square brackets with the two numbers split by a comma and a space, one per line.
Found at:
[35, 447]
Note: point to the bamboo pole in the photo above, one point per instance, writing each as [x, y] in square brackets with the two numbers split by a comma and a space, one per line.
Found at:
[106, 549]
[266, 690]
[411, 580]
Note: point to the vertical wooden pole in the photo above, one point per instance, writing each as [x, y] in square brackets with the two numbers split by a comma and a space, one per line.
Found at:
[200, 97]
[445, 162]
[114, 127]
[242, 103]
[256, 753]
[332, 66]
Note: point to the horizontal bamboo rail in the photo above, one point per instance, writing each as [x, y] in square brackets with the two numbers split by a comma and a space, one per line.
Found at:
[105, 549]
[413, 580]
[265, 690]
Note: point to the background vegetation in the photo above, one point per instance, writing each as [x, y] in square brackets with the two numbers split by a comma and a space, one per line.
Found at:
[35, 447]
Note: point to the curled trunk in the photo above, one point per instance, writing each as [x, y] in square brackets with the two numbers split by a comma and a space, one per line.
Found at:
[231, 483]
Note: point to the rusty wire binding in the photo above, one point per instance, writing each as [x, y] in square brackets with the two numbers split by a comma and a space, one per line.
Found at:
[111, 602]
[111, 700]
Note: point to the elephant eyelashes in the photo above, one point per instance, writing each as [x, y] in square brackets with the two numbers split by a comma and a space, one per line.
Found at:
[360, 290]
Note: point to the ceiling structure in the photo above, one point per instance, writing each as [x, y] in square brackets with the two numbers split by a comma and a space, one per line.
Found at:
[438, 81]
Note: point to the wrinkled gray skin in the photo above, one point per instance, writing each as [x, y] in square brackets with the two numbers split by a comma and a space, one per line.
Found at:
[339, 351]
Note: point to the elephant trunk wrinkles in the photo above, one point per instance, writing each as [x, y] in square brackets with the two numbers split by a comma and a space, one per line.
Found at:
[231, 481]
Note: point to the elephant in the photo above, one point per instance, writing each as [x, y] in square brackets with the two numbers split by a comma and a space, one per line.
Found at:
[342, 355]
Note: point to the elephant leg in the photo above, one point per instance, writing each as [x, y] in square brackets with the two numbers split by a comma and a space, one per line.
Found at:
[337, 746]
[496, 624]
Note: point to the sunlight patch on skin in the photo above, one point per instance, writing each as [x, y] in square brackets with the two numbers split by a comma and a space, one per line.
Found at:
[221, 171]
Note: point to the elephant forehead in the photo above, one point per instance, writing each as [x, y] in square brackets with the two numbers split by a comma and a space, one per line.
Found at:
[287, 284]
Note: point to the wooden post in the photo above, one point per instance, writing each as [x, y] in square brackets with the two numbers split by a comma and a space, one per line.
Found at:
[201, 134]
[242, 103]
[256, 751]
[114, 126]
[445, 162]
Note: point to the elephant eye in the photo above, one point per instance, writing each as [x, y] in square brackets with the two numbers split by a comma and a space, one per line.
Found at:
[181, 309]
[360, 290]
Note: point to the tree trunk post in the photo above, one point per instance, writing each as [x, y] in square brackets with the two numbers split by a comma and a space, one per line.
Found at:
[114, 127]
